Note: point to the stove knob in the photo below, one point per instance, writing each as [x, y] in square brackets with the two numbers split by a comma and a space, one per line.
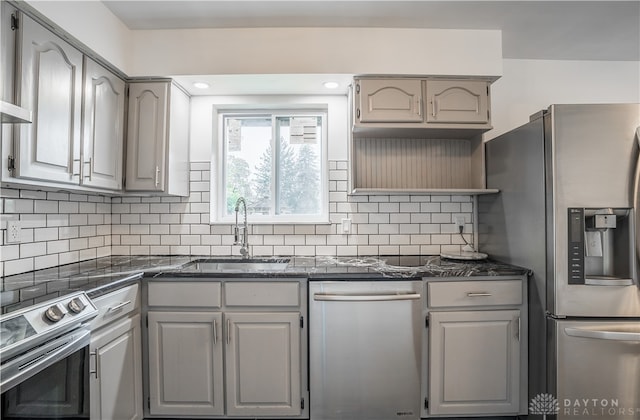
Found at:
[76, 305]
[54, 313]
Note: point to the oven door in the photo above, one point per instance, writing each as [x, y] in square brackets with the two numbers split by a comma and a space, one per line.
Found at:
[51, 381]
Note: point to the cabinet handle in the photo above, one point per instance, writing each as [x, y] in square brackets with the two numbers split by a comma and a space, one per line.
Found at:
[96, 364]
[90, 168]
[215, 332]
[157, 175]
[518, 330]
[479, 294]
[228, 331]
[419, 105]
[79, 168]
[118, 306]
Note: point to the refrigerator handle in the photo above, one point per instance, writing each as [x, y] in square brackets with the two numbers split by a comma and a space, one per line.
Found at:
[636, 205]
[603, 335]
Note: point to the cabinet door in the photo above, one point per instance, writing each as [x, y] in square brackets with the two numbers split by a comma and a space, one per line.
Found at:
[147, 136]
[389, 100]
[50, 85]
[458, 102]
[116, 380]
[103, 129]
[474, 362]
[263, 364]
[185, 363]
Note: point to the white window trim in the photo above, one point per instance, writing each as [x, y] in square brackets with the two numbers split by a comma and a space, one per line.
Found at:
[217, 188]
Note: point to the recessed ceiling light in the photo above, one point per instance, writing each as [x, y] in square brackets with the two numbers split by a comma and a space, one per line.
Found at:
[331, 85]
[201, 85]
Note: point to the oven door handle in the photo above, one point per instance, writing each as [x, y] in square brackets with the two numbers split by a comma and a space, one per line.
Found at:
[25, 366]
[603, 334]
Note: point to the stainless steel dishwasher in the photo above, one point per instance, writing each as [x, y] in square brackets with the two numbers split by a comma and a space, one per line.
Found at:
[365, 349]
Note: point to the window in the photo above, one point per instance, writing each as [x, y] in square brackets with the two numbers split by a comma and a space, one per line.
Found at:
[277, 162]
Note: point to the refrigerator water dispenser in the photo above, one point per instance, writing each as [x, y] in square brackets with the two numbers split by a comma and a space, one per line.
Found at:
[601, 246]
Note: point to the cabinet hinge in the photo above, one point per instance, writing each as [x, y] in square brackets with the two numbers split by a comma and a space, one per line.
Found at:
[147, 321]
[302, 403]
[357, 87]
[14, 22]
[358, 113]
[426, 321]
[301, 321]
[426, 403]
[12, 163]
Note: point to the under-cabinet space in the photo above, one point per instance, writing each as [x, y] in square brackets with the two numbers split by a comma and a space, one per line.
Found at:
[417, 165]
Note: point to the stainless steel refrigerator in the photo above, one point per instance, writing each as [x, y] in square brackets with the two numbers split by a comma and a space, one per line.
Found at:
[568, 210]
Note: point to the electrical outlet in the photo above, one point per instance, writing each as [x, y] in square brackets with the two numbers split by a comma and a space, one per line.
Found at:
[14, 231]
[459, 221]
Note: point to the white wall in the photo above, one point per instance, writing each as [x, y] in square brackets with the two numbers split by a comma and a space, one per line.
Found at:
[528, 86]
[94, 25]
[317, 50]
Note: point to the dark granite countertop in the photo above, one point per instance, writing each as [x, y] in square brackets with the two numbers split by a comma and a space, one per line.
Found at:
[104, 274]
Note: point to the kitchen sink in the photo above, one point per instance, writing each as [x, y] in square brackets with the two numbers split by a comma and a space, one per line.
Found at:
[237, 265]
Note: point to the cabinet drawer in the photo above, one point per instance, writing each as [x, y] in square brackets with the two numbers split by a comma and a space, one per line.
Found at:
[253, 293]
[115, 305]
[474, 293]
[185, 294]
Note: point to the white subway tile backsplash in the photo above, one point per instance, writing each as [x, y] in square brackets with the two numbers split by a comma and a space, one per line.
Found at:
[61, 227]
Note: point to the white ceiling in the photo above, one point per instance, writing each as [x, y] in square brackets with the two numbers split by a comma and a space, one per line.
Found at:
[550, 30]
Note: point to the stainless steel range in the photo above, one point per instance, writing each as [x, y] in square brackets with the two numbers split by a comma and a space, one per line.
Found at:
[44, 359]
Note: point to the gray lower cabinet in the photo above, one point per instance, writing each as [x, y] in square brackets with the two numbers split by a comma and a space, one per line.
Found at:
[185, 363]
[115, 383]
[475, 342]
[226, 348]
[263, 363]
[475, 362]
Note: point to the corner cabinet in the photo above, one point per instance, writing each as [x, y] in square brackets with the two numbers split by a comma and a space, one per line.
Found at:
[158, 138]
[475, 346]
[227, 347]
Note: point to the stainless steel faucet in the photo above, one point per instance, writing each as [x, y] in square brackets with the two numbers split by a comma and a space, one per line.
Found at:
[244, 249]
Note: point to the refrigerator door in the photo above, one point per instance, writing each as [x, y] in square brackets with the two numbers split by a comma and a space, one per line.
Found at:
[598, 369]
[591, 158]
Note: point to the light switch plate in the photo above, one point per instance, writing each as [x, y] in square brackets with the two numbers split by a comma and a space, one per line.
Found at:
[346, 226]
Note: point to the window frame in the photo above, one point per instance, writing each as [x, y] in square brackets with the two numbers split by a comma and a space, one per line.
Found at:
[219, 168]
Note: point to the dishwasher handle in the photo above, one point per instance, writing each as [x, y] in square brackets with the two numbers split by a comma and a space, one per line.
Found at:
[365, 297]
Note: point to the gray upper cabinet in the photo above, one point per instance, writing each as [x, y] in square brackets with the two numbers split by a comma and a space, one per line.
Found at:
[103, 127]
[158, 138]
[76, 139]
[420, 107]
[49, 83]
[457, 102]
[389, 100]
